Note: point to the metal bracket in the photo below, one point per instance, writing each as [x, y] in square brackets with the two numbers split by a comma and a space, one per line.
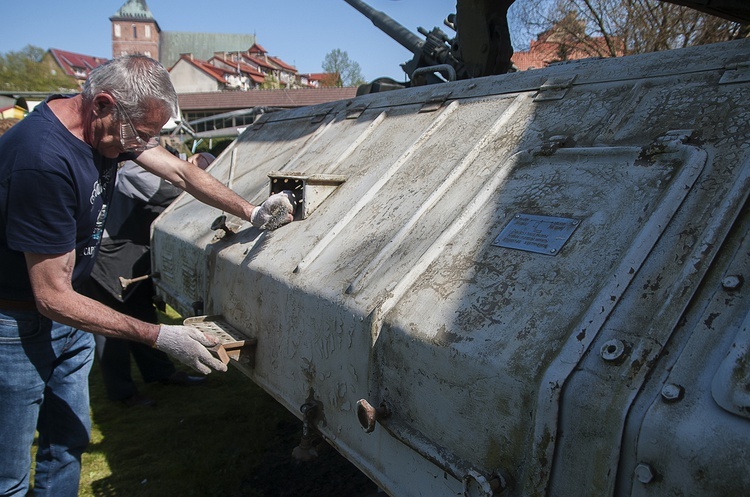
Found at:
[435, 102]
[310, 190]
[736, 73]
[356, 111]
[554, 89]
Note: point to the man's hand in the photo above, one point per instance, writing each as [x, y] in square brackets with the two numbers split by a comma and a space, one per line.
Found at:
[188, 345]
[275, 212]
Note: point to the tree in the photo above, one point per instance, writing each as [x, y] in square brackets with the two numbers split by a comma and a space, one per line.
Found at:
[25, 71]
[338, 62]
[608, 28]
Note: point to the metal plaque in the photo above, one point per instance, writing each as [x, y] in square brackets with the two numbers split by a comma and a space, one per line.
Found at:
[539, 234]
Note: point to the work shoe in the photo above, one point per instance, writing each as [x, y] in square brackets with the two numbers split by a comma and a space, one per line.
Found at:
[138, 400]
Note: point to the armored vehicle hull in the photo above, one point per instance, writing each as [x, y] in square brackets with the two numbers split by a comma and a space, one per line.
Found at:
[527, 284]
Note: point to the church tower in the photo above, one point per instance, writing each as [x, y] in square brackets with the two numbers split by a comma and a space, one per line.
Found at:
[135, 31]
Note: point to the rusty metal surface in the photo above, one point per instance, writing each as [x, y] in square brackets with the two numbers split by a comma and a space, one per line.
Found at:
[504, 371]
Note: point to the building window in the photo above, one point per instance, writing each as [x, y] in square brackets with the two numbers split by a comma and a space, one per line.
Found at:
[117, 30]
[135, 31]
[148, 32]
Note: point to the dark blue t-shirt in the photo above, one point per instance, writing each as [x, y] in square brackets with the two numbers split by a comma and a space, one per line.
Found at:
[54, 192]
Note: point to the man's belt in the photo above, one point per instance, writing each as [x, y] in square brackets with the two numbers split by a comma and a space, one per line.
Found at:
[17, 305]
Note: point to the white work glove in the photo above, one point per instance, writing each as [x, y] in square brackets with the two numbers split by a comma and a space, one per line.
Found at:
[276, 211]
[188, 345]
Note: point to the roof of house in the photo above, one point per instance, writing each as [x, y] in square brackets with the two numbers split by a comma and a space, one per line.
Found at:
[283, 64]
[215, 72]
[70, 61]
[219, 73]
[259, 55]
[316, 76]
[256, 48]
[244, 68]
[263, 98]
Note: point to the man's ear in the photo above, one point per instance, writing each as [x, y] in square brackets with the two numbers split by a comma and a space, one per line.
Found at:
[103, 104]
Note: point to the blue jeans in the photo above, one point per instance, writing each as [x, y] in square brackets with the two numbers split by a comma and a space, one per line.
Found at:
[44, 368]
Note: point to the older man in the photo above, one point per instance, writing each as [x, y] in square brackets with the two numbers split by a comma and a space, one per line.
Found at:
[57, 170]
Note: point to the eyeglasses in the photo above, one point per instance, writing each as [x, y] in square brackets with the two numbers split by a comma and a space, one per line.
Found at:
[129, 138]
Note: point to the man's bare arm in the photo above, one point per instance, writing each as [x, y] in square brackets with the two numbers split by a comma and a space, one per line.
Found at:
[56, 299]
[195, 181]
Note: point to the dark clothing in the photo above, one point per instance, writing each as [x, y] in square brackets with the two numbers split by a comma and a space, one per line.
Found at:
[138, 199]
[114, 353]
[54, 192]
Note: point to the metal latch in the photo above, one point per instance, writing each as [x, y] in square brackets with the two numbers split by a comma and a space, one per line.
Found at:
[310, 190]
[233, 344]
[554, 89]
[736, 73]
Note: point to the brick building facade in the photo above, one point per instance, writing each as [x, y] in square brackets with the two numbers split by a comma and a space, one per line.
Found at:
[134, 30]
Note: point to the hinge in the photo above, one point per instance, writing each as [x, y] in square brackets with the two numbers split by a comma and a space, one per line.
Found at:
[736, 73]
[554, 89]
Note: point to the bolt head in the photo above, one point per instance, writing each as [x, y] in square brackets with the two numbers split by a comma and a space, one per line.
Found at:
[672, 393]
[732, 282]
[644, 472]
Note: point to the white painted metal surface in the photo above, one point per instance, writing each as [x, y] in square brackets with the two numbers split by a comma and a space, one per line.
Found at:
[604, 367]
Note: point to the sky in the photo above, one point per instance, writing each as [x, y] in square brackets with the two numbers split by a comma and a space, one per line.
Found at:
[299, 32]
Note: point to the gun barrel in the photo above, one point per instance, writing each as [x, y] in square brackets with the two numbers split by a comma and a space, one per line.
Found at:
[385, 23]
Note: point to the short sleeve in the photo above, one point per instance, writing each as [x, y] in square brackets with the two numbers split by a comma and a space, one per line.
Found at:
[41, 206]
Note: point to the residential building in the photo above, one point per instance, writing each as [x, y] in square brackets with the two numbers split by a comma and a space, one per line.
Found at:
[190, 75]
[72, 64]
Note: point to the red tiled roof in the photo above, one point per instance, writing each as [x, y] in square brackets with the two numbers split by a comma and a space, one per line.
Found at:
[69, 61]
[213, 71]
[254, 74]
[244, 67]
[260, 56]
[261, 61]
[256, 48]
[234, 100]
[317, 76]
[283, 64]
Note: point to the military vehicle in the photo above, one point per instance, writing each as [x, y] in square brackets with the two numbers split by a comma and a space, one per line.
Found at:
[523, 284]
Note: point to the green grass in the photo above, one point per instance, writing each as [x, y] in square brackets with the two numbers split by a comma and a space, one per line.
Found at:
[205, 440]
[202, 441]
[224, 438]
